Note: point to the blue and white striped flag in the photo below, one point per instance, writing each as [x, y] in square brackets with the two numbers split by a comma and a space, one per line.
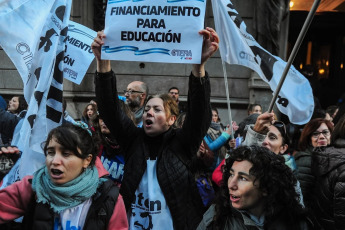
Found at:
[32, 33]
[237, 46]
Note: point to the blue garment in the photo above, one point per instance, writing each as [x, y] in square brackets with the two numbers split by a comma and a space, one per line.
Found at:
[215, 145]
[114, 165]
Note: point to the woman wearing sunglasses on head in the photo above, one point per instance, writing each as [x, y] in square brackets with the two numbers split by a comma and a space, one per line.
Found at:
[272, 135]
[316, 133]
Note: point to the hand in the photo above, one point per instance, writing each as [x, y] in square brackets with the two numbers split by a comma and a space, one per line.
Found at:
[97, 44]
[202, 150]
[9, 150]
[210, 44]
[209, 47]
[103, 66]
[234, 126]
[263, 122]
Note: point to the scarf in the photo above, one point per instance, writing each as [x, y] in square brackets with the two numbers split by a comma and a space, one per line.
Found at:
[68, 195]
[216, 126]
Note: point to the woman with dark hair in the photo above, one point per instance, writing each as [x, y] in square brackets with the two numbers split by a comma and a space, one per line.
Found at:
[259, 193]
[16, 110]
[328, 167]
[218, 139]
[90, 111]
[316, 133]
[18, 106]
[159, 188]
[69, 191]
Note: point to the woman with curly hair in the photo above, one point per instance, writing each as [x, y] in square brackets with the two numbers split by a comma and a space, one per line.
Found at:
[259, 194]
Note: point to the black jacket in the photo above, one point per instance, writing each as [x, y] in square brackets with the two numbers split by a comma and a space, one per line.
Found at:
[328, 166]
[304, 174]
[175, 150]
[41, 217]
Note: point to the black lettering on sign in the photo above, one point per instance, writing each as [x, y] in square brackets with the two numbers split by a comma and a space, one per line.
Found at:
[38, 97]
[31, 120]
[55, 93]
[38, 73]
[60, 12]
[58, 74]
[53, 114]
[283, 101]
[46, 40]
[266, 63]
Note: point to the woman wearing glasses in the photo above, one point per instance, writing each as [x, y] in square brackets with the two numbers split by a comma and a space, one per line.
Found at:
[328, 167]
[316, 133]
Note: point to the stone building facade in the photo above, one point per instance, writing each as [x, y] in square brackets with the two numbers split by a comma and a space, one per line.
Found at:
[244, 86]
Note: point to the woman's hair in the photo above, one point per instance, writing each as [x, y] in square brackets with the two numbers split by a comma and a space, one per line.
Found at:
[180, 120]
[339, 130]
[312, 126]
[170, 106]
[22, 104]
[73, 138]
[216, 110]
[94, 107]
[275, 179]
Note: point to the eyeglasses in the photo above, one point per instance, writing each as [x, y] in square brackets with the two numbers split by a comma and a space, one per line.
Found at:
[131, 91]
[325, 133]
[173, 93]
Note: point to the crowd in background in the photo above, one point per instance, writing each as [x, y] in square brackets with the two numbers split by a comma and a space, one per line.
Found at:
[143, 161]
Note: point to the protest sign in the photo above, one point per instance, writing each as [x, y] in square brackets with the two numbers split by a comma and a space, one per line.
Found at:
[78, 53]
[154, 30]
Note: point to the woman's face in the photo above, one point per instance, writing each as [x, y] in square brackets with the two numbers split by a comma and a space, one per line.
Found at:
[155, 120]
[321, 136]
[62, 164]
[13, 105]
[89, 111]
[244, 193]
[214, 116]
[274, 141]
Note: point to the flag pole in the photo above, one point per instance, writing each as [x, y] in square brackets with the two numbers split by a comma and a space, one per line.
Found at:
[295, 50]
[228, 98]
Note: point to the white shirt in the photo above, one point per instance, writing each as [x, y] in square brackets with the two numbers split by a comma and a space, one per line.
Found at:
[149, 209]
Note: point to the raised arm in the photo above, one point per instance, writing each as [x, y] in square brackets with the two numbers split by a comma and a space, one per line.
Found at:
[199, 114]
[116, 120]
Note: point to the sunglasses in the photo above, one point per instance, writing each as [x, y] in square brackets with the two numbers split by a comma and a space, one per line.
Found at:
[281, 127]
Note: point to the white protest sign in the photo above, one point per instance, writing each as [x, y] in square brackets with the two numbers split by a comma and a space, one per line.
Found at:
[78, 53]
[154, 30]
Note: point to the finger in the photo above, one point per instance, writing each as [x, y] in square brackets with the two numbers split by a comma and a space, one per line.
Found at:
[101, 34]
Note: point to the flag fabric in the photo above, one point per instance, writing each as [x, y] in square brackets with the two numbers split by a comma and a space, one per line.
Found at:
[237, 46]
[32, 33]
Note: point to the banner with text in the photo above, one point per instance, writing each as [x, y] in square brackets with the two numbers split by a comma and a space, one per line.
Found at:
[154, 30]
[78, 53]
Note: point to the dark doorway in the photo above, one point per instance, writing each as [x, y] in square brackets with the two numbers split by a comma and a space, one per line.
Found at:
[322, 53]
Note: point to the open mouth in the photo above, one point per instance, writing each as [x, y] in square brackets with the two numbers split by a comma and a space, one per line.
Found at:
[234, 198]
[148, 122]
[56, 172]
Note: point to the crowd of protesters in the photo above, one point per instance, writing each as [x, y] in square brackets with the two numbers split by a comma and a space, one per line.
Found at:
[143, 161]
